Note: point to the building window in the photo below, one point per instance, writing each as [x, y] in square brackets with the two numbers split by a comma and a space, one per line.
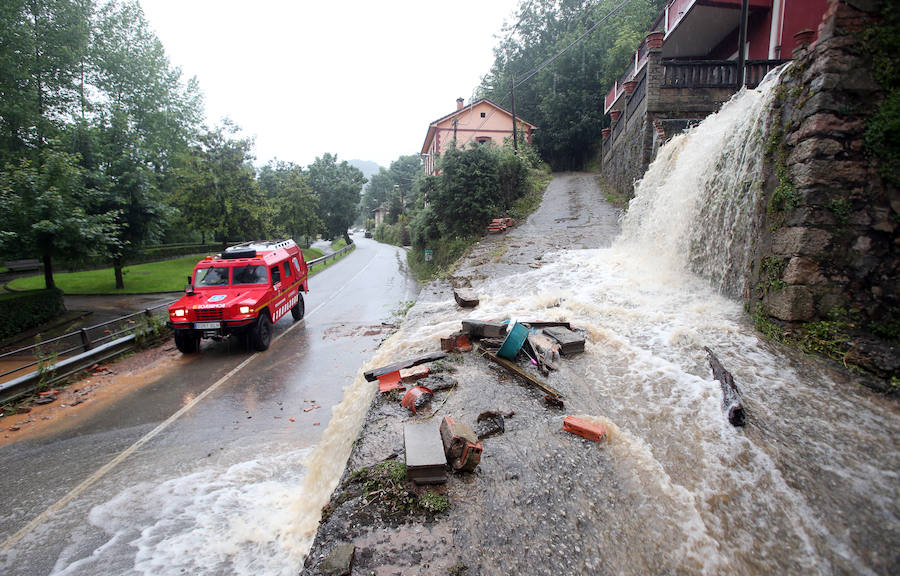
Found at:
[483, 139]
[482, 114]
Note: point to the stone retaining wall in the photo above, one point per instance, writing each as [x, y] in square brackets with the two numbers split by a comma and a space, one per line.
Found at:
[833, 248]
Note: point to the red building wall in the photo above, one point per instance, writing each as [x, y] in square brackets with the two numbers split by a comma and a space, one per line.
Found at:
[800, 14]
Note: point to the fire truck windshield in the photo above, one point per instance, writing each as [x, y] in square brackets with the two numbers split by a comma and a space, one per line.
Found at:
[249, 275]
[212, 277]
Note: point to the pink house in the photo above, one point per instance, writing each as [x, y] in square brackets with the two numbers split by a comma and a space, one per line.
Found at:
[481, 121]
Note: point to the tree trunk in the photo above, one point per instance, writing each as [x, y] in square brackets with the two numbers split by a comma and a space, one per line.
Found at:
[120, 280]
[347, 238]
[48, 271]
[731, 396]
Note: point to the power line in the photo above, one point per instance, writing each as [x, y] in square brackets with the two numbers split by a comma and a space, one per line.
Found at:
[550, 60]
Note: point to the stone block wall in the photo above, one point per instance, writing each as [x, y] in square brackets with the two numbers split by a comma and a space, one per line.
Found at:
[833, 248]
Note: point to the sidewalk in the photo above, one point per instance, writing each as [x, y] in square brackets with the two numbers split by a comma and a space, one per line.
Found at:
[501, 516]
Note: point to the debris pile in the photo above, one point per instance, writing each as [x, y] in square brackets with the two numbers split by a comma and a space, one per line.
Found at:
[499, 225]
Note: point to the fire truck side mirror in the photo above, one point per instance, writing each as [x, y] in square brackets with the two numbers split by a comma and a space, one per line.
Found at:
[189, 289]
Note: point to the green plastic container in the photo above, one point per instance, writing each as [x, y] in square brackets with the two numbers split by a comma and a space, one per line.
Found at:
[513, 342]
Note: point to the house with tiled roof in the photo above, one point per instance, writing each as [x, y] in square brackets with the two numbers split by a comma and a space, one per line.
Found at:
[481, 121]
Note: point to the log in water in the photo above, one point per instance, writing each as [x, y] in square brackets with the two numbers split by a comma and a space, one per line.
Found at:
[731, 395]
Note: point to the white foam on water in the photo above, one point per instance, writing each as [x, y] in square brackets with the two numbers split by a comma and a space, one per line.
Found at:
[229, 520]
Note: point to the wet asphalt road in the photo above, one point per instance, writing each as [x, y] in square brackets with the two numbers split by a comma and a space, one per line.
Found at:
[223, 405]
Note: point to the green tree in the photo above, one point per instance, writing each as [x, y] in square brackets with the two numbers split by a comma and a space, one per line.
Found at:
[295, 207]
[338, 188]
[44, 210]
[218, 192]
[42, 46]
[466, 199]
[145, 114]
[563, 65]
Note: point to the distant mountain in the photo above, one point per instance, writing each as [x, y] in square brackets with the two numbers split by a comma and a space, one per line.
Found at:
[366, 167]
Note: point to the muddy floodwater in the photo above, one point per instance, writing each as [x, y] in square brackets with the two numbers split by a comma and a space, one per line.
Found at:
[808, 486]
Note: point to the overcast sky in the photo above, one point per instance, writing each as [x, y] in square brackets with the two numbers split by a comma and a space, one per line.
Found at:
[362, 79]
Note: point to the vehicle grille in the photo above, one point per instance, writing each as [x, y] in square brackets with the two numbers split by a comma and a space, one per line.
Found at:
[209, 314]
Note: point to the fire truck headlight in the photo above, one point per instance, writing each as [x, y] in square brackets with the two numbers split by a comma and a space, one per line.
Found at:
[244, 309]
[180, 312]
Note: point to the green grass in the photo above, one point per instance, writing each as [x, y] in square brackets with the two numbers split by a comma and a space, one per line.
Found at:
[163, 276]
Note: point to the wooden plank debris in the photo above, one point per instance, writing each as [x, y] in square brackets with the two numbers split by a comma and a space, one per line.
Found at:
[546, 388]
[569, 341]
[466, 297]
[731, 395]
[373, 375]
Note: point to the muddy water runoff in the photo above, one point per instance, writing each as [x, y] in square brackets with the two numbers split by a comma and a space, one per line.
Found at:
[808, 486]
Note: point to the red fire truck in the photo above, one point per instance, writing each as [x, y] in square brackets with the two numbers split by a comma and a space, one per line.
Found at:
[242, 291]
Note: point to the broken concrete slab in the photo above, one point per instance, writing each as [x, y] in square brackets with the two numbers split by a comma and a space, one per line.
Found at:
[482, 329]
[414, 373]
[439, 382]
[426, 462]
[569, 342]
[466, 297]
[489, 423]
[339, 561]
[372, 375]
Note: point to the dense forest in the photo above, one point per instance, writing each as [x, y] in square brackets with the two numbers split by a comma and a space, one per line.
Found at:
[562, 56]
[103, 149]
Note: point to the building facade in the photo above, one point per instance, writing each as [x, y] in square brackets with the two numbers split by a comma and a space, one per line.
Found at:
[688, 65]
[482, 121]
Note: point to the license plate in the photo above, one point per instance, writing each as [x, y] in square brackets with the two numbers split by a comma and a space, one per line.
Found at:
[207, 325]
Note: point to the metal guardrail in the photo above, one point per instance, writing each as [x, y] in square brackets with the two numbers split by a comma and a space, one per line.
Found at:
[333, 255]
[87, 346]
[54, 359]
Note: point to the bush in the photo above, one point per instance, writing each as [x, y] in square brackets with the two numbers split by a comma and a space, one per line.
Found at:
[25, 310]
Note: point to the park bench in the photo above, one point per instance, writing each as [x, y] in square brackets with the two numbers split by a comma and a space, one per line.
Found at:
[22, 265]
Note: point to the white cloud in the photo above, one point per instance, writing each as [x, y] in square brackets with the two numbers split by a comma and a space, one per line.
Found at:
[360, 79]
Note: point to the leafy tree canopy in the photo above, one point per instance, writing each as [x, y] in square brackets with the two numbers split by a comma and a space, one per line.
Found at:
[338, 187]
[564, 98]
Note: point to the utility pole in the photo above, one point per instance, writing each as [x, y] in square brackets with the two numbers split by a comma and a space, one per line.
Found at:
[512, 85]
[742, 39]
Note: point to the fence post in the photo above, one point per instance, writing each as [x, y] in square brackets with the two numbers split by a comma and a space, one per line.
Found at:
[85, 340]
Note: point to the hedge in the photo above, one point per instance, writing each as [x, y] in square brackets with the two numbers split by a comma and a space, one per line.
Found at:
[24, 310]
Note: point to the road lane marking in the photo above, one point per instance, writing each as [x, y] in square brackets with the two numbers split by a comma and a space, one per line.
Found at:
[109, 466]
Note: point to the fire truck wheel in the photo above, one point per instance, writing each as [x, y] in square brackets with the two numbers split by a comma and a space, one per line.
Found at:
[186, 341]
[262, 333]
[299, 308]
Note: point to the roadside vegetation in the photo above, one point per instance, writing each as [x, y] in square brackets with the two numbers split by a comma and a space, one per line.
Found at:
[103, 152]
[165, 276]
[473, 186]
